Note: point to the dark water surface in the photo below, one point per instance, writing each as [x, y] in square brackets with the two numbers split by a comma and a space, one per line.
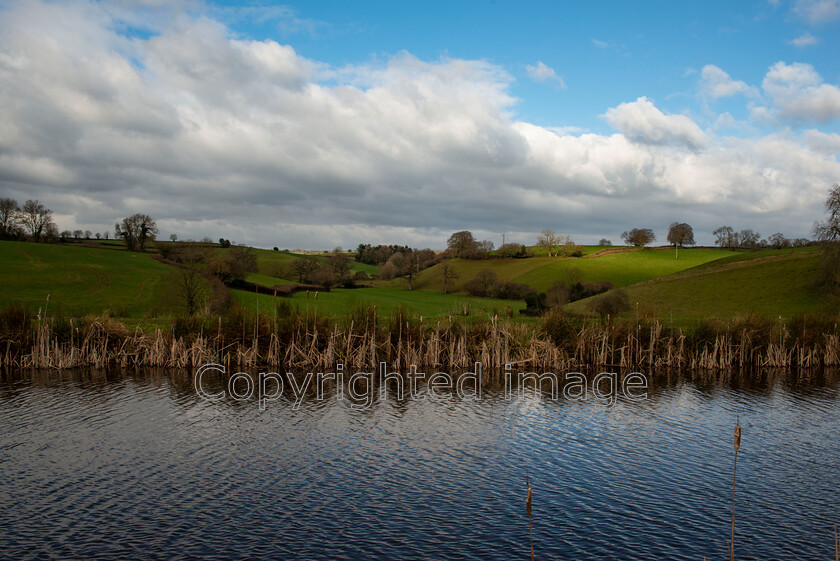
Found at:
[136, 465]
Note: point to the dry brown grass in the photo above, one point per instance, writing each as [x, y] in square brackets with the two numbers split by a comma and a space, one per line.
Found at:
[296, 340]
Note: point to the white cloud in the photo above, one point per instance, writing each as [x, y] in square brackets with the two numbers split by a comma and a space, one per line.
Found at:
[544, 73]
[817, 11]
[600, 44]
[804, 40]
[641, 121]
[715, 83]
[798, 93]
[222, 136]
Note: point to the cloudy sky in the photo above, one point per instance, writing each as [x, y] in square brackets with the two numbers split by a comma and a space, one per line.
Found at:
[316, 124]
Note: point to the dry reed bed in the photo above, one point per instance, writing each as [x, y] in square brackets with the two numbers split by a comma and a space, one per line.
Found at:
[556, 344]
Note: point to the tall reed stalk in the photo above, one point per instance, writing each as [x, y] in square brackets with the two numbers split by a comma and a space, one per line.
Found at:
[737, 444]
[528, 509]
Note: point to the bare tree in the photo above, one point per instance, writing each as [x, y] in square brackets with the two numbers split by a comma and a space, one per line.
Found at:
[828, 232]
[638, 237]
[778, 241]
[36, 218]
[549, 240]
[9, 218]
[747, 238]
[680, 235]
[725, 236]
[405, 265]
[242, 260]
[829, 229]
[447, 273]
[136, 230]
[482, 284]
[191, 288]
[303, 267]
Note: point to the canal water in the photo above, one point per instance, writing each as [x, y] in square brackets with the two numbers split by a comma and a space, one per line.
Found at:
[137, 464]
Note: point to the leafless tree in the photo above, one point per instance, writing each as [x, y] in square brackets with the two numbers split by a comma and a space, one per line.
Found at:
[36, 219]
[747, 238]
[680, 235]
[828, 232]
[136, 230]
[778, 241]
[829, 229]
[447, 273]
[725, 236]
[549, 240]
[9, 218]
[192, 288]
[638, 237]
[404, 265]
[303, 267]
[482, 284]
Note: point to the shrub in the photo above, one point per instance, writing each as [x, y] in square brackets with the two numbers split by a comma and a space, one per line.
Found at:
[482, 284]
[612, 303]
[509, 290]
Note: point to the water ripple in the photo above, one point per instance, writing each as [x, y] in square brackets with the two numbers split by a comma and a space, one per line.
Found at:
[116, 465]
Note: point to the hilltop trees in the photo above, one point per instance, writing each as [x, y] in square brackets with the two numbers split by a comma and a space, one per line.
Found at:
[464, 245]
[638, 237]
[461, 244]
[136, 230]
[727, 237]
[679, 235]
[514, 250]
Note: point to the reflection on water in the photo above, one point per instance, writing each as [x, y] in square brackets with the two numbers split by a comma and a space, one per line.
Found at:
[135, 464]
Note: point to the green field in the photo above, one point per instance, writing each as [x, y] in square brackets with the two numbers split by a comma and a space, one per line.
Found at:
[702, 283]
[271, 263]
[81, 280]
[770, 283]
[622, 268]
[339, 302]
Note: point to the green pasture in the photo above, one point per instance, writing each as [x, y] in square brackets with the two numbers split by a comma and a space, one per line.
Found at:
[81, 280]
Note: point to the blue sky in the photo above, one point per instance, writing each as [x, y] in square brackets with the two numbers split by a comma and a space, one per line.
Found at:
[318, 124]
[604, 52]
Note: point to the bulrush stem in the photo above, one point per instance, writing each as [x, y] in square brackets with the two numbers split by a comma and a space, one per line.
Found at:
[734, 475]
[528, 508]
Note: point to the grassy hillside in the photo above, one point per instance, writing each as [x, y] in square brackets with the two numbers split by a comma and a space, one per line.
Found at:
[621, 267]
[769, 283]
[701, 283]
[81, 280]
[340, 302]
